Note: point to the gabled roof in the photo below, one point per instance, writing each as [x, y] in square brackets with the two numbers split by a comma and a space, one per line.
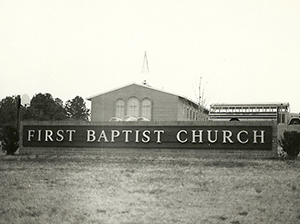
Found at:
[131, 84]
[143, 86]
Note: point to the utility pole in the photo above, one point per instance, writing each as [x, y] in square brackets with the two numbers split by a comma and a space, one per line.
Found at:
[199, 103]
[18, 112]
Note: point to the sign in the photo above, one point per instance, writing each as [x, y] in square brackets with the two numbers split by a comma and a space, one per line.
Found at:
[153, 136]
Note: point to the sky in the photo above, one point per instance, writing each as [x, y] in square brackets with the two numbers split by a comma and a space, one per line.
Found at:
[236, 51]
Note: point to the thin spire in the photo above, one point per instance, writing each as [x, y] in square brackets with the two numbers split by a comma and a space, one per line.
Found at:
[145, 69]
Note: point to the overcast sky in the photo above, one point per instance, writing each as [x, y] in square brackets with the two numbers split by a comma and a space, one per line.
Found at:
[245, 51]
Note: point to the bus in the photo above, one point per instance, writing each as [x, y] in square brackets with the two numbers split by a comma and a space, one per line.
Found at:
[279, 112]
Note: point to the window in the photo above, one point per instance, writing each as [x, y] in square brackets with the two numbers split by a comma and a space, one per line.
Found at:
[120, 110]
[146, 108]
[133, 107]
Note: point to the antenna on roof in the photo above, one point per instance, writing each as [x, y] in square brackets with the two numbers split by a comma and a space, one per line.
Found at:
[199, 99]
[145, 69]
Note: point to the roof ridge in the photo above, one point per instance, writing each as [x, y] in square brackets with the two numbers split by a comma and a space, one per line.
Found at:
[145, 86]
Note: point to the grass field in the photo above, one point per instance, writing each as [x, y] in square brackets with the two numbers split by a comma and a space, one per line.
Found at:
[146, 189]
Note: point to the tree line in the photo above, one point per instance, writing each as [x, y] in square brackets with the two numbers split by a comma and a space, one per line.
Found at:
[42, 107]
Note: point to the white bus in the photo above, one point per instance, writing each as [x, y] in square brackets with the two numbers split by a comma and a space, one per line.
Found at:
[279, 112]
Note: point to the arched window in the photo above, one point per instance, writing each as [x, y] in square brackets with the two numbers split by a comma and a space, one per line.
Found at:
[120, 110]
[133, 107]
[146, 108]
[187, 112]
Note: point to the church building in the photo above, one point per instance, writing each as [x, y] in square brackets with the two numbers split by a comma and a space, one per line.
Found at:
[135, 102]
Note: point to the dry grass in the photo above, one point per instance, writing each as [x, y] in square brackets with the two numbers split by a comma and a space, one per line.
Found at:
[116, 189]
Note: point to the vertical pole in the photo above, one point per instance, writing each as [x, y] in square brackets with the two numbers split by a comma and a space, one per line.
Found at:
[18, 113]
[200, 109]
